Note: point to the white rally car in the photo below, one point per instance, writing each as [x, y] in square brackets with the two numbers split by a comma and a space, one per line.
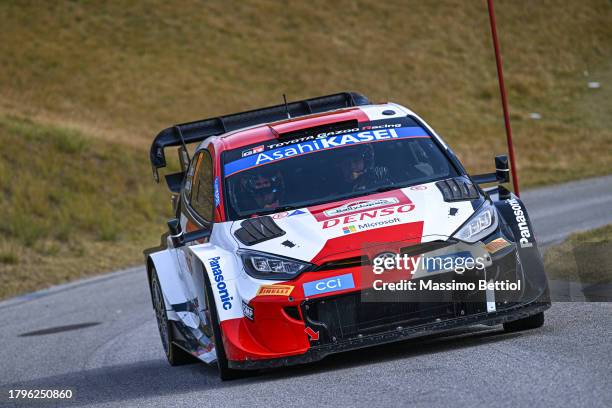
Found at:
[282, 215]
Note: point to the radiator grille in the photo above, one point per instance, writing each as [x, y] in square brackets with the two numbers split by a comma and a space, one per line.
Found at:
[347, 316]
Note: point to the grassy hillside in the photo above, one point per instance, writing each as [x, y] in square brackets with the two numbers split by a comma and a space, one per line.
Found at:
[72, 206]
[99, 75]
[125, 69]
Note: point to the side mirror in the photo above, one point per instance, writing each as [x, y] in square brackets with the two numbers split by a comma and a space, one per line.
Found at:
[501, 175]
[502, 171]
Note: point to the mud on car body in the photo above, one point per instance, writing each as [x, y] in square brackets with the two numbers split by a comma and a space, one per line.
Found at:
[281, 211]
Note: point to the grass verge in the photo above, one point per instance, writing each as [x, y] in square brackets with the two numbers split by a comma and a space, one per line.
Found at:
[584, 257]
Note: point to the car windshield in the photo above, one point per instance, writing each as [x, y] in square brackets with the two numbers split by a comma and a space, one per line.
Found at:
[330, 166]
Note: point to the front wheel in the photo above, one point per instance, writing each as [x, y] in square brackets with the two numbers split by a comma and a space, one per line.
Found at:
[225, 373]
[528, 323]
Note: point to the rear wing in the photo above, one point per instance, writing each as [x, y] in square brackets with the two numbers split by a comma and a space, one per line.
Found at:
[199, 130]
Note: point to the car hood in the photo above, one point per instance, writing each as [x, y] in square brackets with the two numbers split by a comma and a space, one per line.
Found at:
[347, 228]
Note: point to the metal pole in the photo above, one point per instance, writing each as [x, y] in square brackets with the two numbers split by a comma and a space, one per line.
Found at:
[504, 98]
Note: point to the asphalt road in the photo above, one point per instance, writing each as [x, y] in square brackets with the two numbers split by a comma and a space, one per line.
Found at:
[99, 339]
[558, 211]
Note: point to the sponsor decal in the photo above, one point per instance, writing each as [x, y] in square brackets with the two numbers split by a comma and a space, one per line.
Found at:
[418, 188]
[369, 219]
[274, 290]
[353, 206]
[248, 311]
[297, 212]
[304, 139]
[356, 206]
[280, 215]
[252, 159]
[385, 126]
[377, 224]
[376, 211]
[253, 151]
[323, 135]
[349, 229]
[219, 282]
[521, 222]
[496, 245]
[217, 194]
[328, 285]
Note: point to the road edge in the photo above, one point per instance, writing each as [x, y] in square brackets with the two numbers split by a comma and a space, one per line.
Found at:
[26, 297]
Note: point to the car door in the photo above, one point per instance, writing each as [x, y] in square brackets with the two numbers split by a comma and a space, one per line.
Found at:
[197, 212]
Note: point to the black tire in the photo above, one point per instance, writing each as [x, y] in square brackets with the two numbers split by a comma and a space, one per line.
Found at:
[176, 356]
[528, 323]
[225, 373]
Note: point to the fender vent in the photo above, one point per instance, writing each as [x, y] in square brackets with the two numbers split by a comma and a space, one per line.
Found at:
[457, 189]
[293, 312]
[259, 229]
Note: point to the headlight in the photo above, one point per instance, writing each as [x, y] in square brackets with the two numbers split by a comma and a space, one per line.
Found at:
[480, 225]
[266, 266]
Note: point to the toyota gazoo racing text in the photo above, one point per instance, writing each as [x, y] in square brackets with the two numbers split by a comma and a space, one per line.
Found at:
[332, 224]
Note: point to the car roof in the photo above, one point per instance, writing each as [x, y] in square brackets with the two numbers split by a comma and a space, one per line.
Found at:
[270, 131]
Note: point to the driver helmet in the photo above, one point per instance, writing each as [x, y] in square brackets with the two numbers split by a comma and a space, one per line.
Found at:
[265, 188]
[358, 160]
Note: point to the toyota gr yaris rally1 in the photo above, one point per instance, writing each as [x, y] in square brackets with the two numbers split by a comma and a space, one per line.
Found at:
[283, 215]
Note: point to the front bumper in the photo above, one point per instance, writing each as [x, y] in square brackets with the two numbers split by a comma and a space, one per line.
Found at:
[316, 353]
[351, 320]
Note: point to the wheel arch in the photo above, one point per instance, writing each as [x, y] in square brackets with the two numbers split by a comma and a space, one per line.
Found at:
[149, 268]
[223, 271]
[165, 264]
[515, 215]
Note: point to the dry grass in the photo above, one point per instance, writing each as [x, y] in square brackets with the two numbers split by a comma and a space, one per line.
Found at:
[72, 206]
[116, 72]
[584, 257]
